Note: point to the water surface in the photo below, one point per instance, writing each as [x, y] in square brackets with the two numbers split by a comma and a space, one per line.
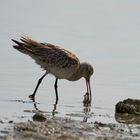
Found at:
[103, 33]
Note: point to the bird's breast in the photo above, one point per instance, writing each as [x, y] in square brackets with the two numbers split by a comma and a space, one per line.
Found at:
[62, 73]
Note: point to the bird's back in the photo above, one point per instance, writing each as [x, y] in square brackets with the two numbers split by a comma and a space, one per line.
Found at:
[54, 59]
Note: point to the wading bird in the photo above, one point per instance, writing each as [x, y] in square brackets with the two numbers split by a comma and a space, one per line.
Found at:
[56, 61]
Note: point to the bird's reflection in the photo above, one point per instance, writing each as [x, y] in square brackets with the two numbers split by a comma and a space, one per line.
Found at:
[41, 111]
[54, 107]
[35, 103]
[86, 107]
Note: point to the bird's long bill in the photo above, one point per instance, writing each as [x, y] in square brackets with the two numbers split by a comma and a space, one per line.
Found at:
[88, 87]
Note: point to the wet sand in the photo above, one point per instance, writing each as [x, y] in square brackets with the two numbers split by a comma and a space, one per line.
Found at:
[42, 126]
[57, 128]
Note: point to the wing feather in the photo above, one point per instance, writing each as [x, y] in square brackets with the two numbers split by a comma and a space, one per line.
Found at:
[52, 58]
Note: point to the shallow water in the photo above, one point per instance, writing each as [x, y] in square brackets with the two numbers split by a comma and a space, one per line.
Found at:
[104, 33]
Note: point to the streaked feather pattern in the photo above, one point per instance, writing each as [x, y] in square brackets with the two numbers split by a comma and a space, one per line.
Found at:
[53, 59]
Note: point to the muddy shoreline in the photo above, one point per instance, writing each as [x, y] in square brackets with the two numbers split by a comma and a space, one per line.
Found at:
[44, 127]
[50, 127]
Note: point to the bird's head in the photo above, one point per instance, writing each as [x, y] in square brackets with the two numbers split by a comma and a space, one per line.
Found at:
[87, 71]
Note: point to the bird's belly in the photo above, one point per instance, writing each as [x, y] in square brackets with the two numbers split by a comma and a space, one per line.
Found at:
[61, 73]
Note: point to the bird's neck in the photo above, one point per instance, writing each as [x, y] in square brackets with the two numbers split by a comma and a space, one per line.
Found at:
[77, 75]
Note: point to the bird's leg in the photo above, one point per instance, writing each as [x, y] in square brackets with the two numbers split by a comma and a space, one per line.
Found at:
[39, 82]
[56, 101]
[56, 92]
[90, 94]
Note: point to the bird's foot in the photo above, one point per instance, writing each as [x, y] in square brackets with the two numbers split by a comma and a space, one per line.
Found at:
[32, 97]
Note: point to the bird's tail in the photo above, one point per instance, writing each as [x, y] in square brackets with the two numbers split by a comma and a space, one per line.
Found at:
[26, 45]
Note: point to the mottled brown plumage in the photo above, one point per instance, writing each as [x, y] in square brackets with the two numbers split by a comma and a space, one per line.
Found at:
[55, 60]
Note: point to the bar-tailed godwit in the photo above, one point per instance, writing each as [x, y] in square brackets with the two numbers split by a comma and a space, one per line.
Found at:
[56, 61]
